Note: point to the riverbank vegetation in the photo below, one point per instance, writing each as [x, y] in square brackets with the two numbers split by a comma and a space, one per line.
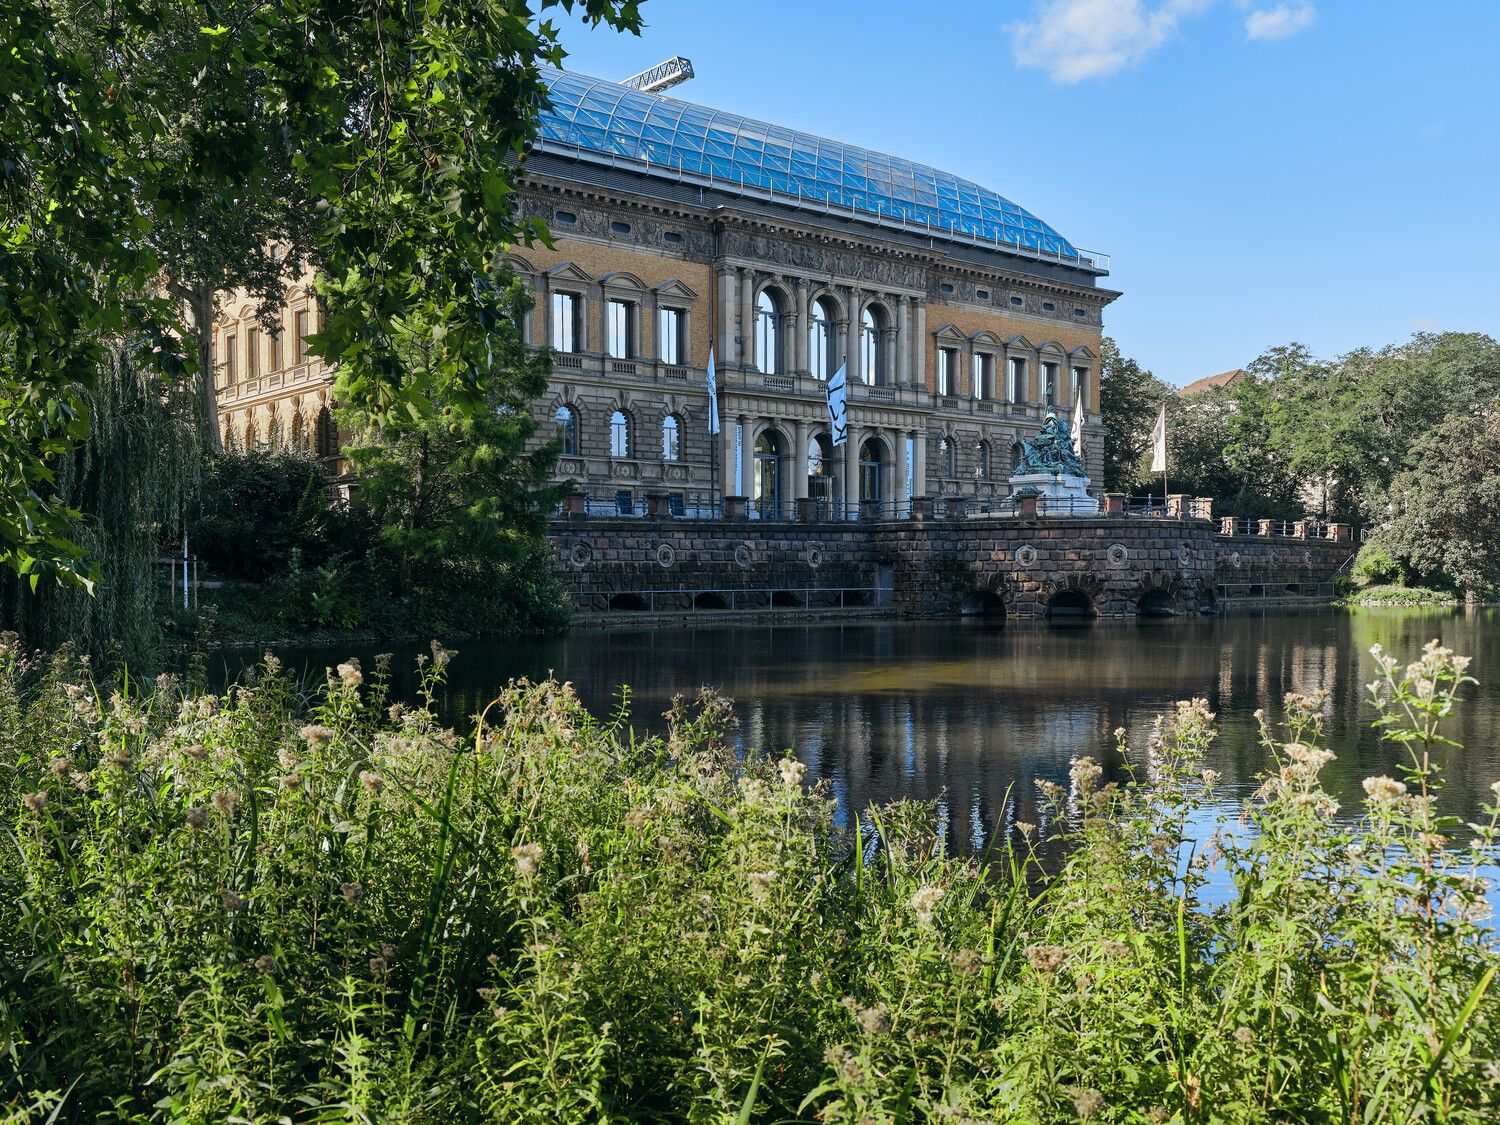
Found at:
[256, 907]
[1401, 441]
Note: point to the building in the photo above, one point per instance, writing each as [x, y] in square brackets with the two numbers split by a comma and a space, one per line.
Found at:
[1225, 379]
[682, 231]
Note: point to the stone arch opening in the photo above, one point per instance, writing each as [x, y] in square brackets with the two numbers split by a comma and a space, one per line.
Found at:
[1154, 603]
[1071, 603]
[710, 600]
[982, 603]
[786, 599]
[1207, 601]
[632, 602]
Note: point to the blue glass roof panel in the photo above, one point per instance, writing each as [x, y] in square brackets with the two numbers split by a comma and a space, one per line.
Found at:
[590, 115]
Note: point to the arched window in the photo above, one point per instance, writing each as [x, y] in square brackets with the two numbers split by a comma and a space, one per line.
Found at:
[567, 430]
[820, 339]
[326, 435]
[766, 481]
[871, 464]
[945, 458]
[820, 470]
[299, 432]
[768, 333]
[619, 435]
[982, 460]
[671, 438]
[872, 347]
[251, 439]
[1016, 453]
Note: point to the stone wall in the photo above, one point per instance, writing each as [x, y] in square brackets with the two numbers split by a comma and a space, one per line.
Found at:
[1114, 567]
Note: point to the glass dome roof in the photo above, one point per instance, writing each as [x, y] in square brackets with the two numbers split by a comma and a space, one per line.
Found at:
[603, 121]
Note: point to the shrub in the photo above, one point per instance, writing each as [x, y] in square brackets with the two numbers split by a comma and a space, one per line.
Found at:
[232, 908]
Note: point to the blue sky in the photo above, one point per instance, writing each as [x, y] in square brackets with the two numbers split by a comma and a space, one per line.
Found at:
[1261, 171]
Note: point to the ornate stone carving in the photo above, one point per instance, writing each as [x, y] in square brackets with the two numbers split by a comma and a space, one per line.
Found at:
[1117, 555]
[1026, 556]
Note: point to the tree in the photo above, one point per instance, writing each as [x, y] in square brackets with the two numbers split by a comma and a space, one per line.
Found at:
[404, 123]
[1445, 508]
[1219, 445]
[1129, 397]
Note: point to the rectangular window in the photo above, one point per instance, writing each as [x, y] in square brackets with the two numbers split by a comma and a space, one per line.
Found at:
[252, 354]
[1049, 384]
[669, 333]
[277, 357]
[624, 502]
[676, 504]
[299, 331]
[947, 371]
[1080, 386]
[231, 360]
[621, 329]
[564, 322]
[1018, 380]
[981, 375]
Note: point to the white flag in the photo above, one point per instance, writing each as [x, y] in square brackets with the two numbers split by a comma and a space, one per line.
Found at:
[713, 396]
[1159, 442]
[838, 406]
[1078, 423]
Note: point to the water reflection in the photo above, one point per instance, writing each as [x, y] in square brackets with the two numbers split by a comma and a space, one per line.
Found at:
[972, 715]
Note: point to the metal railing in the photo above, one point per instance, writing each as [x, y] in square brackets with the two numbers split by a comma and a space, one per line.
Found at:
[729, 599]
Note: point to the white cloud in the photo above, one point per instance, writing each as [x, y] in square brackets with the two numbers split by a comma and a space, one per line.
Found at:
[1077, 39]
[1280, 22]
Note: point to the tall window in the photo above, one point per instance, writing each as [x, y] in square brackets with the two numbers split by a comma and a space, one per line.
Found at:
[871, 464]
[567, 430]
[565, 322]
[299, 333]
[1016, 453]
[820, 341]
[619, 435]
[669, 335]
[1018, 380]
[871, 348]
[982, 460]
[945, 458]
[252, 353]
[982, 372]
[1049, 384]
[622, 329]
[767, 333]
[671, 439]
[947, 371]
[766, 481]
[820, 470]
[277, 353]
[1080, 386]
[231, 360]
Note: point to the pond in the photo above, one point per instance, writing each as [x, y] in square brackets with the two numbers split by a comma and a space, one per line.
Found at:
[964, 712]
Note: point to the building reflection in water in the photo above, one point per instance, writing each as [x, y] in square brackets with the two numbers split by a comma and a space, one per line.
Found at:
[971, 716]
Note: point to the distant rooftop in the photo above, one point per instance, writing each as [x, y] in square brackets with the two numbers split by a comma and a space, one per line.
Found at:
[605, 122]
[1223, 379]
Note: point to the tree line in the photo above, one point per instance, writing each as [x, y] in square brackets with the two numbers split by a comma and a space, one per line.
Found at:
[1403, 441]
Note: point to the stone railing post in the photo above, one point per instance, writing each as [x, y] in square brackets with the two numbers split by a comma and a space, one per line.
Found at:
[575, 506]
[656, 505]
[1341, 532]
[808, 509]
[1299, 529]
[1263, 527]
[1026, 506]
[1177, 505]
[1226, 525]
[921, 508]
[1114, 503]
[1202, 507]
[736, 508]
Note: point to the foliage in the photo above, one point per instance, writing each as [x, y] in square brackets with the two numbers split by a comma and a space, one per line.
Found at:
[132, 482]
[1374, 565]
[1445, 508]
[1398, 595]
[1219, 446]
[402, 124]
[1129, 397]
[218, 908]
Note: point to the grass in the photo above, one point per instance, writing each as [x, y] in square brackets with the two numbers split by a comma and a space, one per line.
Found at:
[258, 907]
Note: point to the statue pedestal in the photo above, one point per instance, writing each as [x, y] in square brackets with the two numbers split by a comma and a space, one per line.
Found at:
[1058, 494]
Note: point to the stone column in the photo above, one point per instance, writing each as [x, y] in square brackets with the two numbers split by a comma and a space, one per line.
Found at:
[851, 473]
[886, 376]
[726, 318]
[800, 324]
[726, 459]
[646, 331]
[919, 348]
[799, 461]
[903, 341]
[747, 316]
[901, 497]
[841, 352]
[919, 470]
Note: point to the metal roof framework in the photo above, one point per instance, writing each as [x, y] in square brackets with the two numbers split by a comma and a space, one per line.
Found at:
[595, 119]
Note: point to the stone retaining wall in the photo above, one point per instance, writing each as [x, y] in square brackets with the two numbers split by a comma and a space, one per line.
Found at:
[1112, 566]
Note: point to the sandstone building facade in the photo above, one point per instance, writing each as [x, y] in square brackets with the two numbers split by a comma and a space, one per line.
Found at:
[959, 317]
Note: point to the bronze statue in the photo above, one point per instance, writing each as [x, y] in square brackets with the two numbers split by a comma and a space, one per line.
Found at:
[1051, 451]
